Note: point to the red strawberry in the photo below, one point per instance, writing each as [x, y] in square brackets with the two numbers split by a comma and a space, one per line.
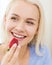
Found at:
[13, 41]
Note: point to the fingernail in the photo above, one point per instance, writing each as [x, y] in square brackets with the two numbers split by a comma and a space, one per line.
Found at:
[14, 45]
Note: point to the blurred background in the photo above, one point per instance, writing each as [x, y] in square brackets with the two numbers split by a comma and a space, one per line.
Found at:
[47, 5]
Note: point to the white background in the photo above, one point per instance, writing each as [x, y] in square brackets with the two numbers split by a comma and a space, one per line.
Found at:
[47, 5]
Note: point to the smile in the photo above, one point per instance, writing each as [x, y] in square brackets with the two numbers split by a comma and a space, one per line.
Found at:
[18, 35]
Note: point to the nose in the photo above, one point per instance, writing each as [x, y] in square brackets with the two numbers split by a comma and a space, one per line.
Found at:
[20, 27]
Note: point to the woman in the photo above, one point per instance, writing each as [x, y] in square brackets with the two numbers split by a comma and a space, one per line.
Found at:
[24, 21]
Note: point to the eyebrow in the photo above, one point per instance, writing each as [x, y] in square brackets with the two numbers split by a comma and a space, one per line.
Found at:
[31, 19]
[27, 18]
[16, 15]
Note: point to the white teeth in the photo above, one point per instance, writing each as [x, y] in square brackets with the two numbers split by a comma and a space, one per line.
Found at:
[18, 36]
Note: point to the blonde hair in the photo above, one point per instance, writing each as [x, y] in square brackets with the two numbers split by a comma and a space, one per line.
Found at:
[38, 39]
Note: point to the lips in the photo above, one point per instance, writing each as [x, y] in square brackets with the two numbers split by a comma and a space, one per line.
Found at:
[18, 35]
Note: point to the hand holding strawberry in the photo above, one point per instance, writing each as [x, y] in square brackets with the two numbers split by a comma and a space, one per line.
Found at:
[11, 56]
[13, 41]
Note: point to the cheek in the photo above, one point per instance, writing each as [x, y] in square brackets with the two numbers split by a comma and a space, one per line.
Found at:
[8, 26]
[31, 30]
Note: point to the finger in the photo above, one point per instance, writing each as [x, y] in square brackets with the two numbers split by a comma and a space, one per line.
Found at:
[10, 53]
[15, 56]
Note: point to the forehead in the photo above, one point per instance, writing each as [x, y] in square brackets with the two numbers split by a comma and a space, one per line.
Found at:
[24, 9]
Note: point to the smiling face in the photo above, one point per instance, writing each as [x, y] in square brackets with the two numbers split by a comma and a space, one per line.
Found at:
[21, 21]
